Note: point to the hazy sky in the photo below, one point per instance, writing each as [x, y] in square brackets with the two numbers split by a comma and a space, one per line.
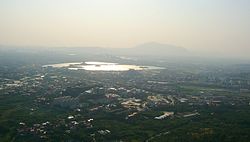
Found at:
[207, 26]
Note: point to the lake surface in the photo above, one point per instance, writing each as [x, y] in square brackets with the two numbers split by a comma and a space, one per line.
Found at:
[101, 66]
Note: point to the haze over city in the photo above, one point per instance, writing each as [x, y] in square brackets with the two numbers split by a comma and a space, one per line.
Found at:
[206, 27]
[124, 70]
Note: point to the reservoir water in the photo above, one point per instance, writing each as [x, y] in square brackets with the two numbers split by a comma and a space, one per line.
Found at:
[101, 66]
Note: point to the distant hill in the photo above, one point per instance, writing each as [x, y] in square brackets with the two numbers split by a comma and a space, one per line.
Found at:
[146, 49]
[152, 49]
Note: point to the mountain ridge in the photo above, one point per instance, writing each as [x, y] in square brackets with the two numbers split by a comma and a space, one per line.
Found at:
[145, 49]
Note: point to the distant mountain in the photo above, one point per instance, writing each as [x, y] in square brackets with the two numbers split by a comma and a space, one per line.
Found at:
[146, 49]
[153, 49]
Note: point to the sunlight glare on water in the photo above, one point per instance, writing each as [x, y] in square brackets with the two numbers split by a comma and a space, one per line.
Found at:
[100, 66]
